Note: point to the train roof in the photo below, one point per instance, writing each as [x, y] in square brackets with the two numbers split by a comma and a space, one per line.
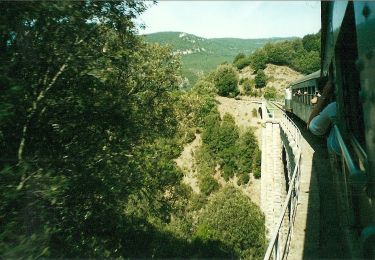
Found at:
[313, 75]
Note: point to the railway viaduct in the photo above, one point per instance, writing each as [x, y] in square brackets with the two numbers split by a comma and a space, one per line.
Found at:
[292, 163]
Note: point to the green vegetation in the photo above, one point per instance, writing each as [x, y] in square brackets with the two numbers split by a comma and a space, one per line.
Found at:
[226, 81]
[231, 218]
[224, 146]
[270, 93]
[92, 119]
[89, 130]
[248, 86]
[302, 55]
[260, 79]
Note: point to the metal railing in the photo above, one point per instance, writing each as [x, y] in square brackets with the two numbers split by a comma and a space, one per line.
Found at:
[357, 177]
[278, 247]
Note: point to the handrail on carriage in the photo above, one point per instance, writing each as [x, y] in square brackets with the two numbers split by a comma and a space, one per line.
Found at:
[357, 176]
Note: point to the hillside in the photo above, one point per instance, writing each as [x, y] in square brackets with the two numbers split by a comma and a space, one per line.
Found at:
[278, 77]
[200, 55]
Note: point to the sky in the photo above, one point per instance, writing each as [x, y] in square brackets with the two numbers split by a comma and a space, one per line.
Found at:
[237, 19]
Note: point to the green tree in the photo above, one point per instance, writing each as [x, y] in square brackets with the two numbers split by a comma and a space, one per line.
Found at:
[226, 80]
[238, 57]
[307, 62]
[233, 219]
[260, 79]
[246, 148]
[89, 122]
[242, 63]
[259, 59]
[311, 42]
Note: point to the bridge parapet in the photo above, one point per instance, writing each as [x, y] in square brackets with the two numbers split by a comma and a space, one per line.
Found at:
[280, 207]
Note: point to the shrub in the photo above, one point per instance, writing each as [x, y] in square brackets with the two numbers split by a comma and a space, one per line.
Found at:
[204, 87]
[207, 183]
[270, 93]
[238, 57]
[259, 59]
[197, 201]
[246, 146]
[226, 80]
[242, 63]
[233, 219]
[256, 164]
[227, 172]
[260, 79]
[248, 86]
[243, 178]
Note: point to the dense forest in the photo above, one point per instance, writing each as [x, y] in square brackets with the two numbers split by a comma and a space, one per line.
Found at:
[91, 120]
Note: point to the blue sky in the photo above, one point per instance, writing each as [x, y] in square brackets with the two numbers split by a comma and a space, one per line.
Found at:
[239, 19]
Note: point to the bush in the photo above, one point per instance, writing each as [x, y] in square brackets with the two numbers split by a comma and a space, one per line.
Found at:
[256, 164]
[204, 87]
[207, 183]
[238, 57]
[226, 80]
[233, 219]
[259, 59]
[270, 93]
[205, 168]
[248, 86]
[197, 201]
[260, 79]
[243, 178]
[245, 148]
[242, 63]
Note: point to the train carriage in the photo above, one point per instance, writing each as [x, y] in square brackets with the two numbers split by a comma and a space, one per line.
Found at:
[302, 91]
[348, 59]
[347, 52]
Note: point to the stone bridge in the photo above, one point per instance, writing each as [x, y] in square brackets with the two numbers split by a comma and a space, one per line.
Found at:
[288, 189]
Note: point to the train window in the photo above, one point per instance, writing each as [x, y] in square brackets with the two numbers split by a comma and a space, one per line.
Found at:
[349, 83]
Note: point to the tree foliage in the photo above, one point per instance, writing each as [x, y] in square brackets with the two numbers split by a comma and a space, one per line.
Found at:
[302, 55]
[311, 42]
[231, 218]
[260, 79]
[89, 123]
[248, 87]
[226, 80]
[223, 145]
[238, 57]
